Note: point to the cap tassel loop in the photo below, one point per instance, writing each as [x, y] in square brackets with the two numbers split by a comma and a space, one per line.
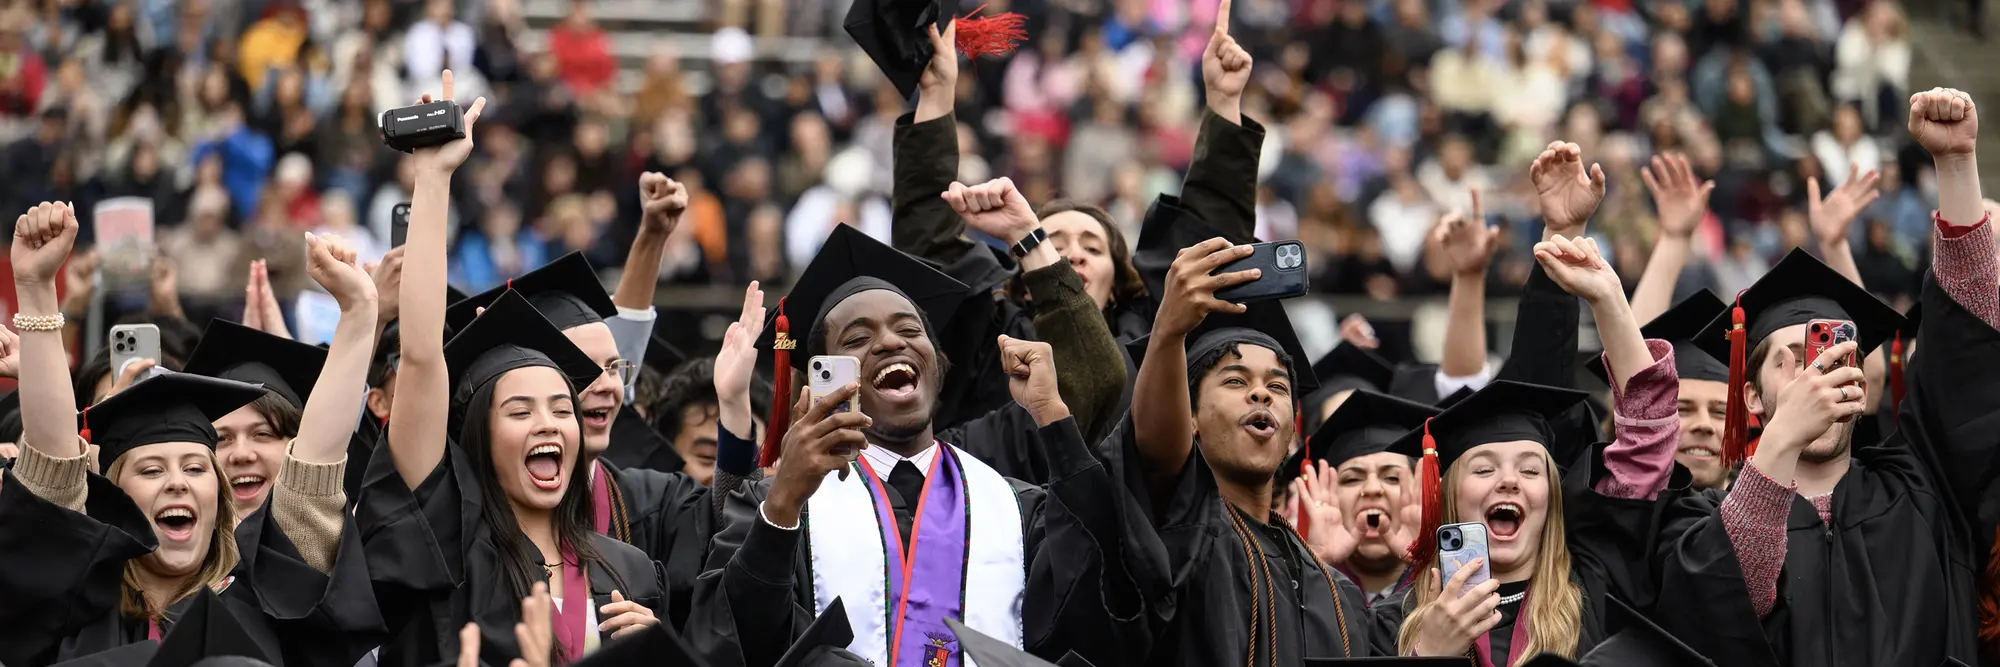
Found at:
[83, 417]
[1896, 374]
[1425, 547]
[1736, 423]
[996, 35]
[781, 389]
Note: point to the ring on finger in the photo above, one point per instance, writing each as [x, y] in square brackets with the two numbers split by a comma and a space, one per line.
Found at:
[1819, 367]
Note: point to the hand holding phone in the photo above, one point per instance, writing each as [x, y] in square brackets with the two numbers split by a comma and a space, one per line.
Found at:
[1460, 544]
[1824, 334]
[131, 343]
[826, 374]
[1284, 273]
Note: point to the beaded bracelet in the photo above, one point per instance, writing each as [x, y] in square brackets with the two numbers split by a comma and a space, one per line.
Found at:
[25, 322]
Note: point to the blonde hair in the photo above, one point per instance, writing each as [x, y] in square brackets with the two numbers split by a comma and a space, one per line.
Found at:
[1555, 606]
[215, 565]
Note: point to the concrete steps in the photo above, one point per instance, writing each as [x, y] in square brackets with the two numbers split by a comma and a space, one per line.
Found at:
[639, 28]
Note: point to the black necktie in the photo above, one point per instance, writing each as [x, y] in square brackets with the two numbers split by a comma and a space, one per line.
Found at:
[908, 483]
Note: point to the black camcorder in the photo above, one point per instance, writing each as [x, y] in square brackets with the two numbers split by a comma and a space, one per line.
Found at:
[424, 125]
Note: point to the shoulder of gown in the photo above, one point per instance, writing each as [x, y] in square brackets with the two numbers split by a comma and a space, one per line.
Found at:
[61, 570]
[326, 619]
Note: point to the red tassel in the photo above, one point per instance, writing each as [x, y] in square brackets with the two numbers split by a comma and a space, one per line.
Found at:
[1896, 374]
[1735, 433]
[84, 418]
[996, 35]
[1425, 548]
[781, 389]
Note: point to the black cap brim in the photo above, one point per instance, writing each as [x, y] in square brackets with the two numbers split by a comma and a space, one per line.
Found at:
[663, 356]
[1681, 326]
[1503, 411]
[1348, 361]
[174, 407]
[232, 351]
[1636, 641]
[1368, 423]
[567, 290]
[207, 630]
[829, 631]
[1264, 317]
[655, 645]
[512, 328]
[849, 254]
[1796, 291]
[990, 652]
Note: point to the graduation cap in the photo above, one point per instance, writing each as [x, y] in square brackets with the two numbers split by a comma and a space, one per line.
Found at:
[1798, 290]
[1636, 641]
[567, 292]
[174, 407]
[284, 366]
[990, 652]
[894, 34]
[1263, 324]
[1504, 411]
[849, 263]
[1168, 228]
[662, 356]
[1350, 367]
[1368, 423]
[206, 630]
[511, 334]
[1680, 326]
[825, 641]
[655, 645]
[1900, 349]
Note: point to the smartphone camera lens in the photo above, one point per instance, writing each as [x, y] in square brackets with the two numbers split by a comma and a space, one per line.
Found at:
[826, 376]
[1451, 539]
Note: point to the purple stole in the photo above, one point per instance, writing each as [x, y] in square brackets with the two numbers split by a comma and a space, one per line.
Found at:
[926, 578]
[1485, 646]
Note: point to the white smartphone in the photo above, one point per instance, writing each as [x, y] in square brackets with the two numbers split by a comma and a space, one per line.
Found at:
[132, 342]
[1459, 544]
[826, 374]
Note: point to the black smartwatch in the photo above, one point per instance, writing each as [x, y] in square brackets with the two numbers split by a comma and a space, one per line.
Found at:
[1028, 244]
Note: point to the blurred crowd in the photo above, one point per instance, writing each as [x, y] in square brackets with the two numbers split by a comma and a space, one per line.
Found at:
[249, 121]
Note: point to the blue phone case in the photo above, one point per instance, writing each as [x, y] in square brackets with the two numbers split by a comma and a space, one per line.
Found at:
[1453, 554]
[1285, 274]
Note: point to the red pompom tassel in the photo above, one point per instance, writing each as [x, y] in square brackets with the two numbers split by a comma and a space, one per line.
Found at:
[83, 418]
[1736, 424]
[1896, 374]
[781, 389]
[996, 35]
[1425, 548]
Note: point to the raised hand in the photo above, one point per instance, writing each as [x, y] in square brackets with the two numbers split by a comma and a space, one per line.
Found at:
[1833, 217]
[1355, 330]
[1569, 194]
[1329, 537]
[445, 158]
[43, 238]
[1459, 615]
[260, 303]
[134, 371]
[332, 264]
[388, 277]
[940, 77]
[736, 364]
[536, 633]
[1031, 377]
[995, 208]
[79, 281]
[663, 200]
[817, 443]
[1191, 290]
[10, 353]
[1944, 121]
[1225, 68]
[164, 294]
[1468, 243]
[1681, 198]
[1579, 268]
[1819, 397]
[626, 617]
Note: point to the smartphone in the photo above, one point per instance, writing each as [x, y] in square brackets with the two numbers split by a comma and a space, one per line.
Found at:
[399, 225]
[826, 374]
[1460, 543]
[1285, 276]
[1824, 334]
[132, 342]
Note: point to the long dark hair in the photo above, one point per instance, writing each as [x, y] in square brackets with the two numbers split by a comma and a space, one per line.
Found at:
[520, 559]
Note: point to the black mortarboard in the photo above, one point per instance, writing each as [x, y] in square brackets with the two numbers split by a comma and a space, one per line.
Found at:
[990, 652]
[174, 407]
[1549, 660]
[206, 630]
[1798, 290]
[850, 263]
[284, 366]
[1503, 411]
[1636, 641]
[129, 655]
[1350, 367]
[511, 334]
[1366, 424]
[1168, 228]
[824, 642]
[1680, 326]
[892, 33]
[1404, 661]
[566, 291]
[1264, 324]
[655, 645]
[662, 356]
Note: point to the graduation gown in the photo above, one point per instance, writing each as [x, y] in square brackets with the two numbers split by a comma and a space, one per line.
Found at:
[636, 444]
[65, 572]
[1078, 594]
[668, 516]
[436, 566]
[1892, 580]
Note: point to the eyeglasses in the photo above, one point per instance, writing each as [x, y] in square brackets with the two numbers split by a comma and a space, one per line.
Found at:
[627, 372]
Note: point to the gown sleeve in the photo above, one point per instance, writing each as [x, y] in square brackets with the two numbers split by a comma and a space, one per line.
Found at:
[302, 557]
[924, 164]
[1090, 366]
[1613, 520]
[671, 522]
[1221, 183]
[1094, 560]
[62, 569]
[1702, 597]
[1953, 404]
[414, 540]
[747, 605]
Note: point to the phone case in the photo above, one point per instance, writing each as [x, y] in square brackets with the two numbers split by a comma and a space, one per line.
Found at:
[1458, 544]
[1285, 275]
[399, 224]
[1824, 334]
[133, 341]
[826, 374]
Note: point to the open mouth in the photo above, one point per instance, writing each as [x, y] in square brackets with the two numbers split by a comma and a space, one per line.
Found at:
[545, 466]
[1371, 522]
[597, 418]
[897, 380]
[1504, 520]
[176, 523]
[1261, 424]
[246, 487]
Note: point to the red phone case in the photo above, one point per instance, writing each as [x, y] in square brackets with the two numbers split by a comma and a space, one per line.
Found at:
[1824, 334]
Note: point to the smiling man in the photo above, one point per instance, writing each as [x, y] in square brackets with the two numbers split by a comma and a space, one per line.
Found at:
[1704, 391]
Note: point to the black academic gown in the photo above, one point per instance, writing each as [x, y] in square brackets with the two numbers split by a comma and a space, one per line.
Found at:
[436, 566]
[1892, 581]
[668, 517]
[65, 574]
[756, 599]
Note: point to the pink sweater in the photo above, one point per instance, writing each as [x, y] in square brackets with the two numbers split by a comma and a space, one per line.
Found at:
[1648, 426]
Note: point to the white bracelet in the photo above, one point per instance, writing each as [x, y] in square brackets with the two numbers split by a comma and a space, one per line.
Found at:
[768, 521]
[26, 322]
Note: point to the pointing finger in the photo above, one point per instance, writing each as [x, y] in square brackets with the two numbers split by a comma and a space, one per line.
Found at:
[1222, 18]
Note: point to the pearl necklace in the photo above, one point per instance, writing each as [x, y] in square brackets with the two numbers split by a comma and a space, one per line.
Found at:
[1511, 599]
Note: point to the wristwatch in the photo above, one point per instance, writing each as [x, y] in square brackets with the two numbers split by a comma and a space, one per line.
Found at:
[1028, 244]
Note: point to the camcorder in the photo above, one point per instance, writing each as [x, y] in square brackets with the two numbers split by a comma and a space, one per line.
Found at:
[423, 125]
